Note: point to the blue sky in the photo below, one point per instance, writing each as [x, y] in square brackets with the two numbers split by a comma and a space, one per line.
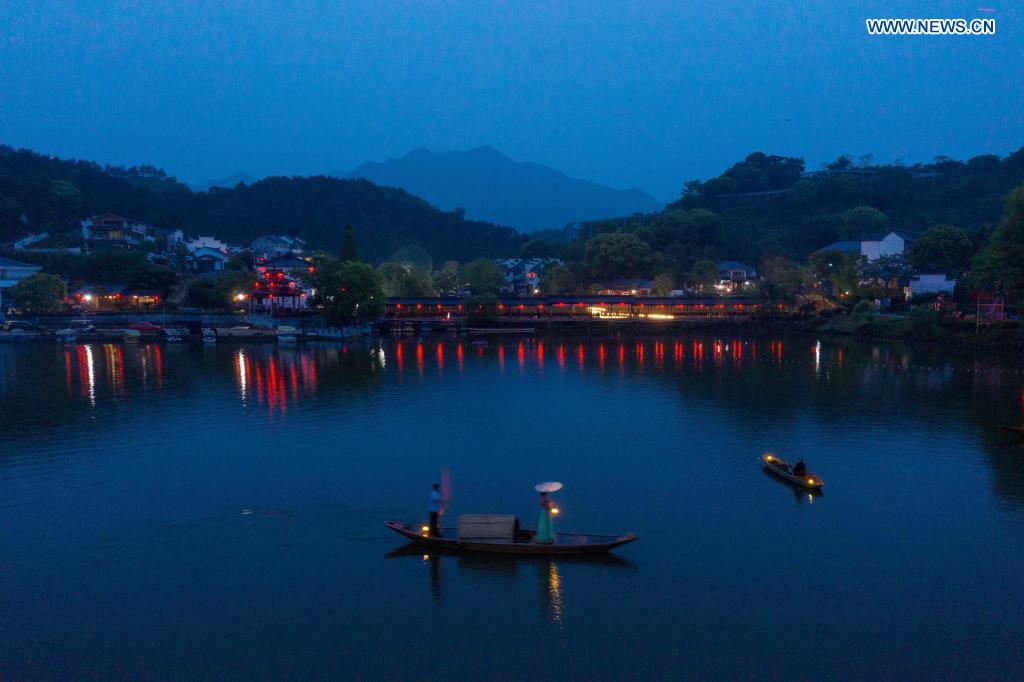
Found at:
[645, 94]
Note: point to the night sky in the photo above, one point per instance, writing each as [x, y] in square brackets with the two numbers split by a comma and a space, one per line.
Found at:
[645, 94]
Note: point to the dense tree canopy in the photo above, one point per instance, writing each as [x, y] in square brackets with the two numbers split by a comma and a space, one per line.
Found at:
[943, 248]
[483, 276]
[617, 254]
[557, 279]
[1001, 262]
[39, 293]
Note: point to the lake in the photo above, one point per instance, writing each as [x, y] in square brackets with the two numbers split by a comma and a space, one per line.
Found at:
[176, 511]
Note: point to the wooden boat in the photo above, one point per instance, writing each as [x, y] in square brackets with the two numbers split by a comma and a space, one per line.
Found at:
[1019, 430]
[510, 539]
[784, 470]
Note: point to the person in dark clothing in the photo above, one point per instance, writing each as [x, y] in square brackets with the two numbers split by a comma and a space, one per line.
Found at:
[799, 469]
[436, 508]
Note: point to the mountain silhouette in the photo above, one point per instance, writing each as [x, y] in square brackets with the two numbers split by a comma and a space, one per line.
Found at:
[492, 187]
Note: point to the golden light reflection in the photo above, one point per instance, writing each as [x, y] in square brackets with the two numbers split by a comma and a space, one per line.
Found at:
[554, 592]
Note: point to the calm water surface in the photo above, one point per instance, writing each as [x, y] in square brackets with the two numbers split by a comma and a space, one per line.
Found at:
[190, 512]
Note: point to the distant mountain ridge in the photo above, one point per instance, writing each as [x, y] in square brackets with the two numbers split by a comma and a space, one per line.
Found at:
[494, 188]
[227, 182]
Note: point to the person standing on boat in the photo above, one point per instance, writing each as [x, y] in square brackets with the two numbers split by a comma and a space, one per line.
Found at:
[545, 523]
[436, 507]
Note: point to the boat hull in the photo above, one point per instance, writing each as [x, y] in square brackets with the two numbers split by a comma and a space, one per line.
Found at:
[565, 543]
[780, 468]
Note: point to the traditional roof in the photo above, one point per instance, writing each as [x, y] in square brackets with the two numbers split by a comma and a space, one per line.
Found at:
[100, 289]
[7, 263]
[841, 246]
[735, 265]
[286, 262]
[627, 283]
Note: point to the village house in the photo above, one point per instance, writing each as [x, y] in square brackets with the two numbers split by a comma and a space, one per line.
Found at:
[929, 283]
[873, 248]
[523, 276]
[111, 230]
[733, 275]
[113, 298]
[273, 246]
[207, 259]
[11, 272]
[290, 265]
[206, 243]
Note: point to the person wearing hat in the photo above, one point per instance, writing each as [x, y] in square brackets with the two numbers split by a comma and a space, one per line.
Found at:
[545, 524]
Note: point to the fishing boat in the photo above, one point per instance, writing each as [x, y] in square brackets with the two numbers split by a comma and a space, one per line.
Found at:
[1019, 430]
[502, 535]
[784, 470]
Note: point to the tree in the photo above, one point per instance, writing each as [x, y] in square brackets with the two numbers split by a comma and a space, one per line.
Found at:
[538, 248]
[150, 276]
[349, 246]
[943, 248]
[446, 280]
[861, 221]
[689, 229]
[704, 275]
[404, 280]
[1001, 261]
[110, 265]
[781, 279]
[67, 201]
[10, 218]
[218, 292]
[863, 316]
[39, 293]
[557, 279]
[484, 276]
[348, 291]
[414, 256]
[617, 254]
[663, 284]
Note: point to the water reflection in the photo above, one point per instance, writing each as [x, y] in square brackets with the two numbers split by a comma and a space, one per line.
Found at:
[502, 572]
[756, 380]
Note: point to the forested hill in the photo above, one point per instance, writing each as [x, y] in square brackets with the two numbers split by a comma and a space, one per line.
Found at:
[54, 194]
[765, 205]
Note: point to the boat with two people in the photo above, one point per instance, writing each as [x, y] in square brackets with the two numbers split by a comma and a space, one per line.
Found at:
[497, 533]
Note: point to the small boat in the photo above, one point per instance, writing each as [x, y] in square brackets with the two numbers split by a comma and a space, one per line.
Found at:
[286, 334]
[514, 541]
[784, 470]
[1019, 430]
[479, 343]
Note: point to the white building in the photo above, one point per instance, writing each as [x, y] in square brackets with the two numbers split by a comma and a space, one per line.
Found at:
[873, 248]
[11, 272]
[892, 244]
[929, 283]
[206, 243]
